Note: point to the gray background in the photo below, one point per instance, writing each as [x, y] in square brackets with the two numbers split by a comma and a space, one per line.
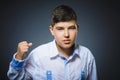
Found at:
[29, 20]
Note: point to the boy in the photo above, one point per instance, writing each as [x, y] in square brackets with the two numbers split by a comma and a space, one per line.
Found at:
[60, 59]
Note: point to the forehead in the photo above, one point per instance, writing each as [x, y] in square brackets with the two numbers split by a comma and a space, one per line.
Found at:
[65, 24]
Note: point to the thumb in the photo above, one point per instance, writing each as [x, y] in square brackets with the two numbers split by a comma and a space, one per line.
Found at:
[29, 44]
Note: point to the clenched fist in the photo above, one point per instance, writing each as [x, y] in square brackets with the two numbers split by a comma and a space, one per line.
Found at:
[23, 48]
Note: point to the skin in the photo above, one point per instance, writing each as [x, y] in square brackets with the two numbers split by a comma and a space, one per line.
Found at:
[64, 33]
[23, 48]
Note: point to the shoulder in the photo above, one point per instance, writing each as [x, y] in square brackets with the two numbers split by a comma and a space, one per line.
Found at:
[42, 47]
[85, 52]
[41, 50]
[84, 49]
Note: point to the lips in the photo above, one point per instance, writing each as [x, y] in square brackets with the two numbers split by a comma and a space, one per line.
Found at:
[66, 41]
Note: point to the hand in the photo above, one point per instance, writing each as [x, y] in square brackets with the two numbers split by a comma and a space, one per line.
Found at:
[23, 48]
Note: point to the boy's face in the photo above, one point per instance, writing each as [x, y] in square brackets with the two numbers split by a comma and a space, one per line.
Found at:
[64, 33]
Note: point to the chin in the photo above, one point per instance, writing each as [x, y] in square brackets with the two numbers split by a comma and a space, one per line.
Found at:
[67, 46]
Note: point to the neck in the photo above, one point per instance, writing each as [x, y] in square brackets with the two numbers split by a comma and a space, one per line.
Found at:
[66, 52]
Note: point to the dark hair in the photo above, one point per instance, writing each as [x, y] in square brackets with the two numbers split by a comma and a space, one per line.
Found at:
[63, 13]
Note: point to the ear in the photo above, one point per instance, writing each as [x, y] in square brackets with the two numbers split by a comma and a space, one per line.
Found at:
[78, 26]
[51, 30]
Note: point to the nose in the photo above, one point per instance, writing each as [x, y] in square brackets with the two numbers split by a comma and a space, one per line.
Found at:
[66, 33]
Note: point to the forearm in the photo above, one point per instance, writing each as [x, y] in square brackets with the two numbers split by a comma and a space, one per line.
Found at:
[16, 69]
[14, 74]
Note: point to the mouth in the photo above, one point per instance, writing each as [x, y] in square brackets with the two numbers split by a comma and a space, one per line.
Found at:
[66, 41]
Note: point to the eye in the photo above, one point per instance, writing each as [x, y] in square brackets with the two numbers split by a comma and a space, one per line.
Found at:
[59, 28]
[72, 27]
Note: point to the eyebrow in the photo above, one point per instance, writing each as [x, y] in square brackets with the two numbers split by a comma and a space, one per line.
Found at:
[68, 27]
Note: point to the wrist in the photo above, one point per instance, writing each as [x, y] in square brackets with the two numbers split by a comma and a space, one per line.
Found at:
[17, 64]
[19, 56]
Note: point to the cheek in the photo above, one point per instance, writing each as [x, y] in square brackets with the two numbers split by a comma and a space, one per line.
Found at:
[73, 34]
[57, 35]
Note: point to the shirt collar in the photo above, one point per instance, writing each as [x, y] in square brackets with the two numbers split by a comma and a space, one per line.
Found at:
[55, 53]
[53, 50]
[76, 50]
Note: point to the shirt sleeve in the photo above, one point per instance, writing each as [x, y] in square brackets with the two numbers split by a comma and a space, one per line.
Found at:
[92, 70]
[16, 70]
[20, 69]
[17, 64]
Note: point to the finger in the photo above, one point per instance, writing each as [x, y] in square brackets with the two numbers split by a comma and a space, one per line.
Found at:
[23, 43]
[29, 44]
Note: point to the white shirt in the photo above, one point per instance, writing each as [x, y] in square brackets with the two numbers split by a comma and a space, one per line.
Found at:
[46, 63]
